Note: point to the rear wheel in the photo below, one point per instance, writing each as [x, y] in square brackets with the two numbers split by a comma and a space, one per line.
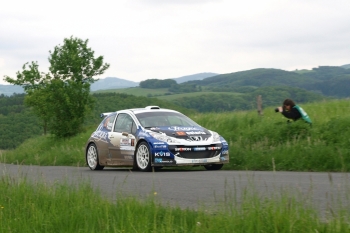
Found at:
[92, 158]
[213, 166]
[143, 157]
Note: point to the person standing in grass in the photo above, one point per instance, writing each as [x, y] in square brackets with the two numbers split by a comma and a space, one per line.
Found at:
[292, 111]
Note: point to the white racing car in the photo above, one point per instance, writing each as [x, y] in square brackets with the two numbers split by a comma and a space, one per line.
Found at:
[148, 137]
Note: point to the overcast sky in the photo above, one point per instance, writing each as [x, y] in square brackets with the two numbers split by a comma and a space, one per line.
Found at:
[144, 39]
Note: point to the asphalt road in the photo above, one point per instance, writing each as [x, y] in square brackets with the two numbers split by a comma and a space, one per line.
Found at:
[195, 189]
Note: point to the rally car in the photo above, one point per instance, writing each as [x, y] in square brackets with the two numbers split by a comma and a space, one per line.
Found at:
[153, 137]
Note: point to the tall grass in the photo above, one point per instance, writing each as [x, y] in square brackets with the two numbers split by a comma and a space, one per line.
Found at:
[256, 142]
[268, 142]
[63, 207]
[48, 150]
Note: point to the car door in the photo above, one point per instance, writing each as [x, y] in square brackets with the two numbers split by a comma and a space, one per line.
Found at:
[122, 140]
[101, 139]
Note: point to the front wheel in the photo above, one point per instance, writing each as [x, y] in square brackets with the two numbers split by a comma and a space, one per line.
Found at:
[213, 166]
[92, 158]
[143, 157]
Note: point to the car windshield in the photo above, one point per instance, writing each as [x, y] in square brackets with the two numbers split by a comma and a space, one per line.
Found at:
[159, 118]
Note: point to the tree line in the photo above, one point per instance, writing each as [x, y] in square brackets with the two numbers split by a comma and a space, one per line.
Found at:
[18, 122]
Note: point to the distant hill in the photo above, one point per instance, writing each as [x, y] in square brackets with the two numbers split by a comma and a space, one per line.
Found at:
[101, 84]
[257, 77]
[9, 89]
[199, 76]
[112, 83]
[346, 66]
[331, 81]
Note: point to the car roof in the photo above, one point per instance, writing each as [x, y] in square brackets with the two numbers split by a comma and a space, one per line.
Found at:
[140, 110]
[150, 109]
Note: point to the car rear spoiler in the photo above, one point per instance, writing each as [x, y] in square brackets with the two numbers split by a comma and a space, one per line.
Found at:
[103, 115]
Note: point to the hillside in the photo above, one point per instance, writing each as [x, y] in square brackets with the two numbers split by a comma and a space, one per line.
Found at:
[330, 81]
[112, 83]
[10, 89]
[256, 77]
[109, 83]
[199, 76]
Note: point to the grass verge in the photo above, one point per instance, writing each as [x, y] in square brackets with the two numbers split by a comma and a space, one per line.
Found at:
[62, 207]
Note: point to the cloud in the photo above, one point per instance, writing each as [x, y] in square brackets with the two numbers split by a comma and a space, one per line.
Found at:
[165, 39]
[176, 2]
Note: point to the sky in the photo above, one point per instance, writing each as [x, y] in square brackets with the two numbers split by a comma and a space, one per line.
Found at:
[160, 39]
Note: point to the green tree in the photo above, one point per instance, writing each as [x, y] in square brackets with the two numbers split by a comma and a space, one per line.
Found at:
[61, 98]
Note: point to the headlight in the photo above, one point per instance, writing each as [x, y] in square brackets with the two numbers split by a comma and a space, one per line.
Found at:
[216, 136]
[163, 137]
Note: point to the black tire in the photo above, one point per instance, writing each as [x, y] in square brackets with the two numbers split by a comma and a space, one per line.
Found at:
[143, 157]
[92, 159]
[213, 166]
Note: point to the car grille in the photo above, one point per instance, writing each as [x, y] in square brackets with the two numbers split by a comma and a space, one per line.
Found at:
[196, 152]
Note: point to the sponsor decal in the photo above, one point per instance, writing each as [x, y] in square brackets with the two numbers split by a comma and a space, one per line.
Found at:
[168, 161]
[128, 157]
[199, 161]
[159, 143]
[162, 154]
[125, 142]
[183, 149]
[160, 146]
[177, 128]
[100, 135]
[181, 133]
[199, 149]
[195, 132]
[158, 160]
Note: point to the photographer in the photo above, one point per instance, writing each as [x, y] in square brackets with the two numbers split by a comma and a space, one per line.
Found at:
[292, 111]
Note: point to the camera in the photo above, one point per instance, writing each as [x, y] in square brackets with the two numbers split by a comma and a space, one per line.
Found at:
[277, 110]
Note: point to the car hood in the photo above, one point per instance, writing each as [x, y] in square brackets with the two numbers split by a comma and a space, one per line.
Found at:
[192, 133]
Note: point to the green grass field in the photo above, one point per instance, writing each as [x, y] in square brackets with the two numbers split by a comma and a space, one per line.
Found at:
[161, 93]
[137, 91]
[61, 207]
[193, 94]
[256, 142]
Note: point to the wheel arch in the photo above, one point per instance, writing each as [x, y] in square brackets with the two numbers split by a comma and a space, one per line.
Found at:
[139, 142]
[87, 148]
[150, 151]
